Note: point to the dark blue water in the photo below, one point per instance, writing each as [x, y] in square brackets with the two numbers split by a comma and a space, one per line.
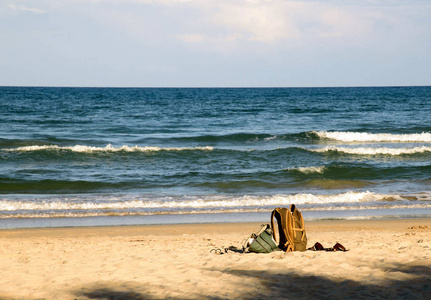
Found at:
[134, 154]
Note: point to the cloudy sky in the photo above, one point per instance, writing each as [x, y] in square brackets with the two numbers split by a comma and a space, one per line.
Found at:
[215, 43]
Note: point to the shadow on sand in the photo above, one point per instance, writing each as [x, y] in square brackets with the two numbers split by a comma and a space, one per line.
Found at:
[108, 293]
[293, 286]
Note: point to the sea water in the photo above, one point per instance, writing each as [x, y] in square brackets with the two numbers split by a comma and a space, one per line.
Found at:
[120, 156]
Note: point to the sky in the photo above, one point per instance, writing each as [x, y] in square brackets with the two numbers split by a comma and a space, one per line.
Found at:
[218, 43]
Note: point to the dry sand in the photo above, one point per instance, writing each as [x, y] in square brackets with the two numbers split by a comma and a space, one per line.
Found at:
[388, 259]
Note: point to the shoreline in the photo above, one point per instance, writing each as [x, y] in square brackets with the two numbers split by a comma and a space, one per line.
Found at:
[394, 223]
[210, 218]
[388, 258]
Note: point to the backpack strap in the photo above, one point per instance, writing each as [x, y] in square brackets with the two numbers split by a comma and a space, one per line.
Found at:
[272, 226]
[294, 211]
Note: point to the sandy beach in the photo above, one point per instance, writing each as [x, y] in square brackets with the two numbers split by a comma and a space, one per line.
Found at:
[387, 259]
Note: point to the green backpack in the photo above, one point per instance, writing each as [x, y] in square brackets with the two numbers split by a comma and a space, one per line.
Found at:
[260, 242]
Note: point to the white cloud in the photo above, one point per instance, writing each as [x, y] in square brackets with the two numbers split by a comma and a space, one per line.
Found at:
[258, 21]
[235, 26]
[26, 8]
[192, 38]
[266, 22]
[277, 23]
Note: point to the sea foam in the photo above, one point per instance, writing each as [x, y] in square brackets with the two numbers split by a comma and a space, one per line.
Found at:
[108, 148]
[309, 170]
[344, 136]
[31, 208]
[207, 202]
[374, 151]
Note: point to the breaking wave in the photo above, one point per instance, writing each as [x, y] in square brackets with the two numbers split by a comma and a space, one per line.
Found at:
[32, 208]
[344, 136]
[374, 151]
[108, 148]
[208, 202]
[309, 170]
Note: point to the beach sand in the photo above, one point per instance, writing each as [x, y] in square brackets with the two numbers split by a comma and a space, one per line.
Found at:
[387, 259]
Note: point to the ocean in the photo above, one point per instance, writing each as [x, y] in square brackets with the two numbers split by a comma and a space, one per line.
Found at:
[128, 156]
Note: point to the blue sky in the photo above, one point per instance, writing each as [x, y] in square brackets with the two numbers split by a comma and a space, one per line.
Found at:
[221, 43]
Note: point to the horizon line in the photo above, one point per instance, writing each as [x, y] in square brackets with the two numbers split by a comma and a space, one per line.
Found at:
[210, 87]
